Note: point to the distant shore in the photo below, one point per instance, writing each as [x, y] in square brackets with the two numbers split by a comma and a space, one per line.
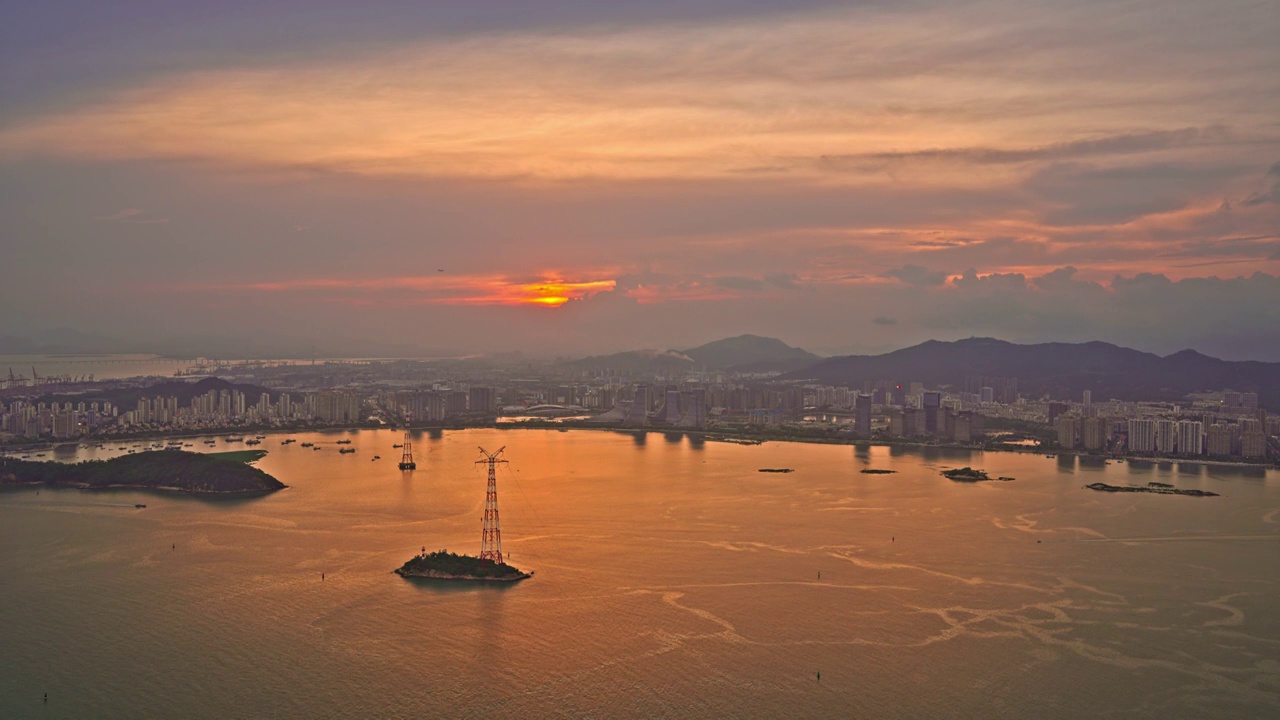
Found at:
[725, 435]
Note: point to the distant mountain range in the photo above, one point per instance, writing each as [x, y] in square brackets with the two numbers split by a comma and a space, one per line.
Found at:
[744, 353]
[1059, 370]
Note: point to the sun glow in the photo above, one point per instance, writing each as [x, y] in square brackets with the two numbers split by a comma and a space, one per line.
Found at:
[426, 289]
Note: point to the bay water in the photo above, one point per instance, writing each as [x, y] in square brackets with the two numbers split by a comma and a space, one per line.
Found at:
[672, 579]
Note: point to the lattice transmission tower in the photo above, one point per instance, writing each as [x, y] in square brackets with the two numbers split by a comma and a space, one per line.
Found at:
[406, 458]
[491, 535]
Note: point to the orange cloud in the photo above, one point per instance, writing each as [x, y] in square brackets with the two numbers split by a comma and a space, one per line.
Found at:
[551, 291]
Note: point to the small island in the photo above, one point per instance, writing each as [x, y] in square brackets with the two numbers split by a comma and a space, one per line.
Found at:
[1155, 488]
[444, 565]
[965, 474]
[776, 470]
[160, 470]
[876, 471]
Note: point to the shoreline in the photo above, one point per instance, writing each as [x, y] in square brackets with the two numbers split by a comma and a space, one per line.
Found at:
[715, 435]
[437, 575]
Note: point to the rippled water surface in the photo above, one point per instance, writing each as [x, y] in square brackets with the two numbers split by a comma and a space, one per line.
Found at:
[672, 580]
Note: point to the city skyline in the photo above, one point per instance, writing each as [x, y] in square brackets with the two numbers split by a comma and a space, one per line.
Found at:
[850, 178]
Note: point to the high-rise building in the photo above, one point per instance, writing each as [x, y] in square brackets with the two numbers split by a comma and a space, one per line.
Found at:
[1056, 409]
[1190, 437]
[638, 414]
[1253, 444]
[897, 423]
[455, 402]
[1221, 440]
[1166, 436]
[336, 407]
[931, 403]
[987, 395]
[1088, 397]
[1142, 435]
[862, 415]
[481, 399]
[1094, 433]
[670, 412]
[435, 407]
[967, 427]
[695, 409]
[899, 396]
[1068, 430]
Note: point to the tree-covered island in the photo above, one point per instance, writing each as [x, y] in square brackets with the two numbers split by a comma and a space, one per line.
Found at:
[162, 470]
[444, 565]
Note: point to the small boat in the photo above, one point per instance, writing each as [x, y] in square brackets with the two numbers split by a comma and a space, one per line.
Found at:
[315, 448]
[346, 450]
[377, 457]
[308, 444]
[140, 506]
[397, 447]
[344, 442]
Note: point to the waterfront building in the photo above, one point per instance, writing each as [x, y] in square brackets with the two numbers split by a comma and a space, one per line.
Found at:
[1094, 433]
[481, 399]
[1190, 437]
[862, 415]
[1142, 435]
[1068, 429]
[1253, 444]
[638, 413]
[1166, 436]
[1221, 440]
[931, 403]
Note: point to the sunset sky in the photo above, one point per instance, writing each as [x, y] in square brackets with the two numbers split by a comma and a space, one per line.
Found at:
[587, 177]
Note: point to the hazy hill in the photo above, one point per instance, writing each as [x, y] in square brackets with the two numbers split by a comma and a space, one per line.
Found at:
[1061, 370]
[744, 353]
[750, 352]
[637, 361]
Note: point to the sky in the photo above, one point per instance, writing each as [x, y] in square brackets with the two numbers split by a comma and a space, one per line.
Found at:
[588, 177]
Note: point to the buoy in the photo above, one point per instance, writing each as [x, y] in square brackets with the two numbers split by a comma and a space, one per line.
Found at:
[322, 576]
[819, 676]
